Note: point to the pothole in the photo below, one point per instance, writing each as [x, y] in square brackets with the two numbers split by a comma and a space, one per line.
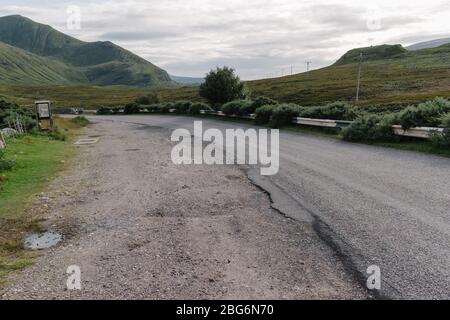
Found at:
[40, 241]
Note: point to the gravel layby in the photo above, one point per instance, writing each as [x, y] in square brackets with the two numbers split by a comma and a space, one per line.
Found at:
[140, 227]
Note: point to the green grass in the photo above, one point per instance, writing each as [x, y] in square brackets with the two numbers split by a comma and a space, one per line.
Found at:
[38, 159]
[388, 80]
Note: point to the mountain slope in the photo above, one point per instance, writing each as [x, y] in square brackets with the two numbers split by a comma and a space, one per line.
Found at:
[429, 44]
[390, 76]
[21, 67]
[103, 63]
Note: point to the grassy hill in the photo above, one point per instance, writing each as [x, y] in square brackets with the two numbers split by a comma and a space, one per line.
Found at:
[89, 63]
[390, 75]
[21, 67]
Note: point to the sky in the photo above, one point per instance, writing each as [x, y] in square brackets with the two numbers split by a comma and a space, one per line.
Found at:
[258, 38]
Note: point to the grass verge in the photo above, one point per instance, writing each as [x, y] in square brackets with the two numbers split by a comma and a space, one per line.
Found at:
[38, 157]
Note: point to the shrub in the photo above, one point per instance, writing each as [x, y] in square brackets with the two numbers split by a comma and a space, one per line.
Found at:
[245, 108]
[263, 114]
[234, 107]
[10, 112]
[370, 127]
[282, 115]
[425, 114]
[80, 121]
[104, 110]
[182, 106]
[196, 107]
[221, 86]
[56, 134]
[335, 111]
[148, 99]
[262, 101]
[442, 139]
[131, 108]
[5, 164]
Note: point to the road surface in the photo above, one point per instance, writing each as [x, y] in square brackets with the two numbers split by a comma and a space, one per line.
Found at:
[140, 227]
[372, 205]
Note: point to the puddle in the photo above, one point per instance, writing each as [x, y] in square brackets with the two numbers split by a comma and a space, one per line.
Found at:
[39, 241]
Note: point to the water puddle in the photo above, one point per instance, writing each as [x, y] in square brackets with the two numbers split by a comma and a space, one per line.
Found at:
[39, 241]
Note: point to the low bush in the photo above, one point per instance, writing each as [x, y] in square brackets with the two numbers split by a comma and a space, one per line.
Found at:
[182, 106]
[442, 139]
[370, 127]
[263, 114]
[232, 108]
[197, 107]
[10, 112]
[5, 164]
[427, 114]
[56, 134]
[80, 121]
[104, 111]
[131, 108]
[282, 115]
[262, 101]
[334, 111]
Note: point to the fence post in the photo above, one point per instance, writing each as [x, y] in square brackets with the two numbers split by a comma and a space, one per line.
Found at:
[2, 141]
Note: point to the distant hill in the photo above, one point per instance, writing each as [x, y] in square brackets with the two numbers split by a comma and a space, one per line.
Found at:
[94, 63]
[372, 54]
[391, 75]
[429, 44]
[187, 80]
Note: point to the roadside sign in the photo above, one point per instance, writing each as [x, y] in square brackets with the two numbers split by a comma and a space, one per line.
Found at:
[43, 110]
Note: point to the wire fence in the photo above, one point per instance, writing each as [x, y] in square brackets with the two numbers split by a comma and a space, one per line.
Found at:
[12, 127]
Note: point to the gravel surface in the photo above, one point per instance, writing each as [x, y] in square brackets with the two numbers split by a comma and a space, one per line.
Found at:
[373, 205]
[140, 227]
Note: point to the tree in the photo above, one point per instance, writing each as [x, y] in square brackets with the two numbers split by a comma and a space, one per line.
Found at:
[222, 85]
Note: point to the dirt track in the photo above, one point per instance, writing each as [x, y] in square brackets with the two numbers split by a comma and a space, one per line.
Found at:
[141, 227]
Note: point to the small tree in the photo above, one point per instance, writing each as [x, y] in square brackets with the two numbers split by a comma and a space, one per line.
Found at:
[221, 86]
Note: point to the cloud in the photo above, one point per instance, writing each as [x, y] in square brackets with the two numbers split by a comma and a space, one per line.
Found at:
[134, 36]
[257, 37]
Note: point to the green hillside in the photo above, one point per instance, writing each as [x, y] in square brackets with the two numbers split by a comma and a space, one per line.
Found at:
[390, 76]
[89, 63]
[21, 67]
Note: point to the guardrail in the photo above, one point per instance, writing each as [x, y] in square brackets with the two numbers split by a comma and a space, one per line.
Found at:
[418, 132]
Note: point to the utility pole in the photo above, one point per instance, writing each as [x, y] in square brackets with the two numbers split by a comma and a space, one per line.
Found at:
[359, 78]
[292, 69]
[308, 63]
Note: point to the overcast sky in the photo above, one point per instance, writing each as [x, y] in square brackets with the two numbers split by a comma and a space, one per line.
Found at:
[256, 37]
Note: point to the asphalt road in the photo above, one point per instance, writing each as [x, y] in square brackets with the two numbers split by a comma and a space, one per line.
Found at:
[373, 205]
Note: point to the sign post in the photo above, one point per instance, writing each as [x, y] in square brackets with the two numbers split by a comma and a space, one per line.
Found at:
[43, 112]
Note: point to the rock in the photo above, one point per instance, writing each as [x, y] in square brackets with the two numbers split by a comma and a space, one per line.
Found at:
[7, 132]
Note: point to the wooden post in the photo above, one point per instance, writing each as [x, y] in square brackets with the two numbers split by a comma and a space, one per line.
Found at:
[2, 141]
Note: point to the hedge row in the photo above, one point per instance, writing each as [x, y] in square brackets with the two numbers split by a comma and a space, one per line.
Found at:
[180, 107]
[373, 127]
